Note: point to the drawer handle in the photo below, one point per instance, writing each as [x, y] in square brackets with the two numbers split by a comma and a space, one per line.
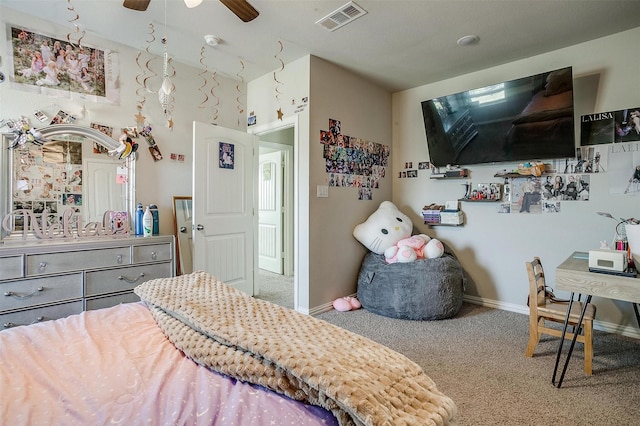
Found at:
[10, 324]
[119, 259]
[131, 280]
[22, 295]
[42, 266]
[154, 255]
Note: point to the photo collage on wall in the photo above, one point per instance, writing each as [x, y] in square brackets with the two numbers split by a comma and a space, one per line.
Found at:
[47, 177]
[353, 162]
[617, 135]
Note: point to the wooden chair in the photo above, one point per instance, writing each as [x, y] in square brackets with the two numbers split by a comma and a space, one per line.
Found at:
[544, 307]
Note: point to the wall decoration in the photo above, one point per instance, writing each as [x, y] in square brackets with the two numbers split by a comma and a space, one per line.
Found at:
[610, 127]
[526, 195]
[45, 64]
[226, 155]
[624, 168]
[63, 118]
[48, 177]
[278, 83]
[353, 162]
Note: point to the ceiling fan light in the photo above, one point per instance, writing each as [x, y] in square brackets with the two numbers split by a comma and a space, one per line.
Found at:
[192, 3]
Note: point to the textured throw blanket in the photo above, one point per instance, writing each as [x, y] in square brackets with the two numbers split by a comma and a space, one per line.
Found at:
[307, 359]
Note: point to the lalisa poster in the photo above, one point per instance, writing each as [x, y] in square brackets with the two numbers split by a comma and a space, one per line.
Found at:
[226, 159]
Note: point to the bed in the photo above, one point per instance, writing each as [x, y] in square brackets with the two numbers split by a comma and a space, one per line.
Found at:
[197, 351]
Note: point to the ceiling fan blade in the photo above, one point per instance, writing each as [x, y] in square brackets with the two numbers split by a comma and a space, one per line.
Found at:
[242, 9]
[140, 5]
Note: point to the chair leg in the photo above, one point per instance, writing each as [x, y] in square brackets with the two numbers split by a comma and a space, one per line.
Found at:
[534, 338]
[588, 347]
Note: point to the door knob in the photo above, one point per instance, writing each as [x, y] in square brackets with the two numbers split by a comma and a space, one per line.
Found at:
[199, 227]
[183, 229]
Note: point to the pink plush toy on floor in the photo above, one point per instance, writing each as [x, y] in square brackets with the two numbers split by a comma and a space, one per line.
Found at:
[345, 304]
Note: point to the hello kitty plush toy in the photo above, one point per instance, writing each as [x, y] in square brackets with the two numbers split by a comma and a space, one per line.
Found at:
[384, 228]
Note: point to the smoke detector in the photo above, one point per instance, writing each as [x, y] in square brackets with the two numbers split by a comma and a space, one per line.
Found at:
[212, 40]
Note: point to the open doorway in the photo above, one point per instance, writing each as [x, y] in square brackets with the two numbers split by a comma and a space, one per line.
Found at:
[275, 279]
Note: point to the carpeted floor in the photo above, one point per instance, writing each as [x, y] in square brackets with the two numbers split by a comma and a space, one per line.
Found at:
[275, 288]
[477, 358]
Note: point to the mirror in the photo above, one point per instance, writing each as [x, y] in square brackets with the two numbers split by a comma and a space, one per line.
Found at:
[182, 222]
[71, 169]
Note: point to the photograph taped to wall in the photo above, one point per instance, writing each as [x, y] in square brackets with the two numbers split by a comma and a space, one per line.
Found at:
[44, 64]
[624, 169]
[610, 127]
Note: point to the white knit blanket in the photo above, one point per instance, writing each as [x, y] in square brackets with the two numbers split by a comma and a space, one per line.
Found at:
[360, 381]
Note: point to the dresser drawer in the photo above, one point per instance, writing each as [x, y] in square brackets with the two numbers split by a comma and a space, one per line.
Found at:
[122, 279]
[11, 267]
[37, 291]
[45, 313]
[151, 253]
[109, 301]
[51, 263]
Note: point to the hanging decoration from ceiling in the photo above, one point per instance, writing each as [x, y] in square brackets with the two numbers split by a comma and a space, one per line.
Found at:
[166, 88]
[278, 82]
[240, 106]
[81, 33]
[215, 85]
[142, 77]
[22, 132]
[203, 75]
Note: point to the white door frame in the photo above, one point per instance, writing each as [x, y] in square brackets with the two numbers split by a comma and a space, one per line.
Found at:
[300, 281]
[288, 198]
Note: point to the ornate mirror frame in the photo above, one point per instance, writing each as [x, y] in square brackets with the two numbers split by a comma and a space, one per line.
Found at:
[86, 134]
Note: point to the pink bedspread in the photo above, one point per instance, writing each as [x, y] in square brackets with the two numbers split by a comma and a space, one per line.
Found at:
[114, 366]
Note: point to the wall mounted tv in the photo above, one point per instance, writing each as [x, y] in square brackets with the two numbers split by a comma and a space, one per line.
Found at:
[526, 119]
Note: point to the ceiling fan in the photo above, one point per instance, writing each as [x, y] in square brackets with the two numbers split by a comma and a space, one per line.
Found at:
[241, 8]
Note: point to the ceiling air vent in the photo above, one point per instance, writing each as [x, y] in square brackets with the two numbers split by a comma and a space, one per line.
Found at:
[342, 16]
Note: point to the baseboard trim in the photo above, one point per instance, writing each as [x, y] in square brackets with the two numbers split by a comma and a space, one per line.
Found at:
[523, 309]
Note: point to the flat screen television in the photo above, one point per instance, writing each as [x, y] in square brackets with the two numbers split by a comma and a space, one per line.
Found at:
[526, 119]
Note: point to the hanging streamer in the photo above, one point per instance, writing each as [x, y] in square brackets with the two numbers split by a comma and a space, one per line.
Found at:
[72, 9]
[141, 77]
[212, 91]
[278, 83]
[240, 107]
[203, 75]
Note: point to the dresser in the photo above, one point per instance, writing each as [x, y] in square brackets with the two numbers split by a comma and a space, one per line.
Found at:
[41, 281]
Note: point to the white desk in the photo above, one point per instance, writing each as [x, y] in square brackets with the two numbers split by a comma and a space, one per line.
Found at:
[573, 275]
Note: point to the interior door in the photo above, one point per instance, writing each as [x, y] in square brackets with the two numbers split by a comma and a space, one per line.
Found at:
[270, 212]
[101, 189]
[224, 196]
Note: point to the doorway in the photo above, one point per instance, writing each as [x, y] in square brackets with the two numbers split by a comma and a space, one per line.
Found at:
[275, 278]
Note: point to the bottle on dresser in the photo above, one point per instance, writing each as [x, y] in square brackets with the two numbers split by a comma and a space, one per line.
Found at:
[147, 223]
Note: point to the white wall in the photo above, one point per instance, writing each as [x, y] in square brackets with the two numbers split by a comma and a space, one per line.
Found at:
[329, 256]
[493, 247]
[158, 181]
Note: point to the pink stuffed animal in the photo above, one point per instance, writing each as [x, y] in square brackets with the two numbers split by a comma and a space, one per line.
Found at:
[413, 248]
[344, 304]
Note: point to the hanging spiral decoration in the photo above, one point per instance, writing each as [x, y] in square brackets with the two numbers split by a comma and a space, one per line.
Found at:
[149, 72]
[203, 74]
[72, 9]
[215, 84]
[239, 90]
[275, 78]
[141, 77]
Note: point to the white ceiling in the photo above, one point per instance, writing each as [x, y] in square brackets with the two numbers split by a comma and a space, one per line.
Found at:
[399, 44]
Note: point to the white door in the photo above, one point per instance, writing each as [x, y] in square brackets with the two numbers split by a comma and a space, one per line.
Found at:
[101, 189]
[224, 196]
[270, 212]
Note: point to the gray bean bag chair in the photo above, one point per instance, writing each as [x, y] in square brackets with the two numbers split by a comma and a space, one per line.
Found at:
[426, 289]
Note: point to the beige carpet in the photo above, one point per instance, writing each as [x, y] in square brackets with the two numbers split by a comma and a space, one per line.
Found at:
[275, 288]
[477, 358]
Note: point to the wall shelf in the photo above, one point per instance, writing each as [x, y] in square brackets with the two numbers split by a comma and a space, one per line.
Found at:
[484, 200]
